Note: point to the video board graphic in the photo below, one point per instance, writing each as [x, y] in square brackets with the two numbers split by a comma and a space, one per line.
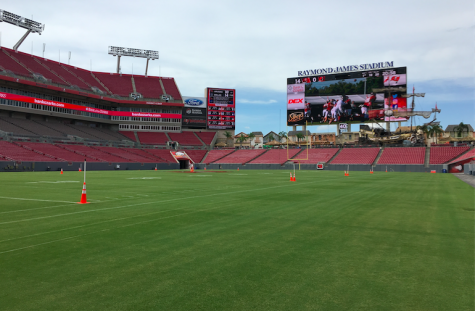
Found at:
[221, 108]
[194, 112]
[353, 97]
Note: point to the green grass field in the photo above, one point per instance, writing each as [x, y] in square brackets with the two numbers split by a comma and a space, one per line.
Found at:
[236, 240]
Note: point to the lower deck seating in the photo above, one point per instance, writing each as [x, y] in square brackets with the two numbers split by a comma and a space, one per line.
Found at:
[196, 155]
[440, 155]
[215, 155]
[13, 152]
[94, 153]
[163, 154]
[275, 156]
[403, 155]
[356, 156]
[315, 156]
[241, 156]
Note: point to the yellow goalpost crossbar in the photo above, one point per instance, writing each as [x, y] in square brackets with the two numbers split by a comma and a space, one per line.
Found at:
[307, 143]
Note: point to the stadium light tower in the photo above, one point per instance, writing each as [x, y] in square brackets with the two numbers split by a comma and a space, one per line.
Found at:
[118, 51]
[30, 25]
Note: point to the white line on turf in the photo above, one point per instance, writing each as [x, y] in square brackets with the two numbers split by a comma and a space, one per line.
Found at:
[100, 222]
[39, 200]
[108, 229]
[36, 208]
[52, 182]
[147, 203]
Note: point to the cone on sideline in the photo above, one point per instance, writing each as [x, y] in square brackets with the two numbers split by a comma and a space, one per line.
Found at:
[61, 171]
[80, 169]
[155, 168]
[205, 168]
[238, 168]
[291, 179]
[83, 195]
[294, 178]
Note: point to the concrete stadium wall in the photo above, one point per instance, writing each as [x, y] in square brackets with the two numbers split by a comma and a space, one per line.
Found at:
[331, 167]
[91, 166]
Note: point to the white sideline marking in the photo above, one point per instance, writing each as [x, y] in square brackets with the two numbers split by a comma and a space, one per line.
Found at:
[199, 176]
[145, 178]
[147, 203]
[238, 174]
[39, 200]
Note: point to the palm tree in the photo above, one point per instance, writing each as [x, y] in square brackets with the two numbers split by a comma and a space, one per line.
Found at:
[242, 139]
[299, 136]
[460, 129]
[228, 135]
[251, 137]
[434, 131]
[425, 130]
[282, 135]
[270, 137]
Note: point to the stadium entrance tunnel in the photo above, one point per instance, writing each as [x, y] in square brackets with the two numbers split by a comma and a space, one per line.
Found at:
[184, 164]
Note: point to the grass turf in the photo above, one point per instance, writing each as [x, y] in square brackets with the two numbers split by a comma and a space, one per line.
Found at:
[240, 240]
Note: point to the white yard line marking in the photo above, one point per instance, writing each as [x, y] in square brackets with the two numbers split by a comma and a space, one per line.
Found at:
[32, 209]
[109, 229]
[52, 182]
[145, 178]
[39, 200]
[147, 203]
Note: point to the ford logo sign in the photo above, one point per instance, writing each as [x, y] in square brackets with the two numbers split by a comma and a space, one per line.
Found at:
[194, 102]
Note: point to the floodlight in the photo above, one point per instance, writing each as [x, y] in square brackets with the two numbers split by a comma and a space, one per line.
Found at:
[30, 25]
[120, 51]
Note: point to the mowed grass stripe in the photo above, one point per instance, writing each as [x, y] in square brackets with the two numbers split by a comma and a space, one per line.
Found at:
[327, 242]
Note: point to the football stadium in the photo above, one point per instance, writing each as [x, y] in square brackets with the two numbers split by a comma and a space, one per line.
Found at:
[120, 193]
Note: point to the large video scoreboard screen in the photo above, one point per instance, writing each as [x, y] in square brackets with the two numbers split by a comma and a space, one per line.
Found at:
[221, 108]
[353, 97]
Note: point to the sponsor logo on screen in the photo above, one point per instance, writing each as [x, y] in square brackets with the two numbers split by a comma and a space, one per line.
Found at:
[194, 102]
[296, 88]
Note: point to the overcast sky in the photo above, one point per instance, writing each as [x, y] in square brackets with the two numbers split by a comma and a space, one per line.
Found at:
[254, 46]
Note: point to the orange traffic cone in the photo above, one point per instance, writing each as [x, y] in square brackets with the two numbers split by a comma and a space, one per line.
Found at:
[371, 172]
[61, 171]
[205, 168]
[83, 195]
[155, 168]
[80, 169]
[238, 168]
[294, 177]
[291, 179]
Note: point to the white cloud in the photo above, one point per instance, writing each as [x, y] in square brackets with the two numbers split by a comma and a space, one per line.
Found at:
[257, 102]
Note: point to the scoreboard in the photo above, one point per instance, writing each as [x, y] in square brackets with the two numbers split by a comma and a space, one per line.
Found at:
[221, 108]
[352, 97]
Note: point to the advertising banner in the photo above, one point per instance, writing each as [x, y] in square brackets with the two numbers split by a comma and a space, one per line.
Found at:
[56, 104]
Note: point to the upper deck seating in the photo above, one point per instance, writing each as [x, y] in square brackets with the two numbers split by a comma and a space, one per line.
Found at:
[31, 63]
[317, 155]
[171, 88]
[10, 64]
[152, 138]
[215, 155]
[356, 156]
[206, 137]
[65, 74]
[241, 156]
[275, 156]
[185, 139]
[116, 83]
[17, 153]
[440, 155]
[149, 87]
[87, 77]
[403, 155]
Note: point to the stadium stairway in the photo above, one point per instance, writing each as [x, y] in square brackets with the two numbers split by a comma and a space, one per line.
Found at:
[378, 156]
[427, 157]
[204, 157]
[133, 84]
[333, 158]
[204, 144]
[222, 154]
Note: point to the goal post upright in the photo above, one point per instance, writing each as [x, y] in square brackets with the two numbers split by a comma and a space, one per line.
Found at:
[307, 144]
